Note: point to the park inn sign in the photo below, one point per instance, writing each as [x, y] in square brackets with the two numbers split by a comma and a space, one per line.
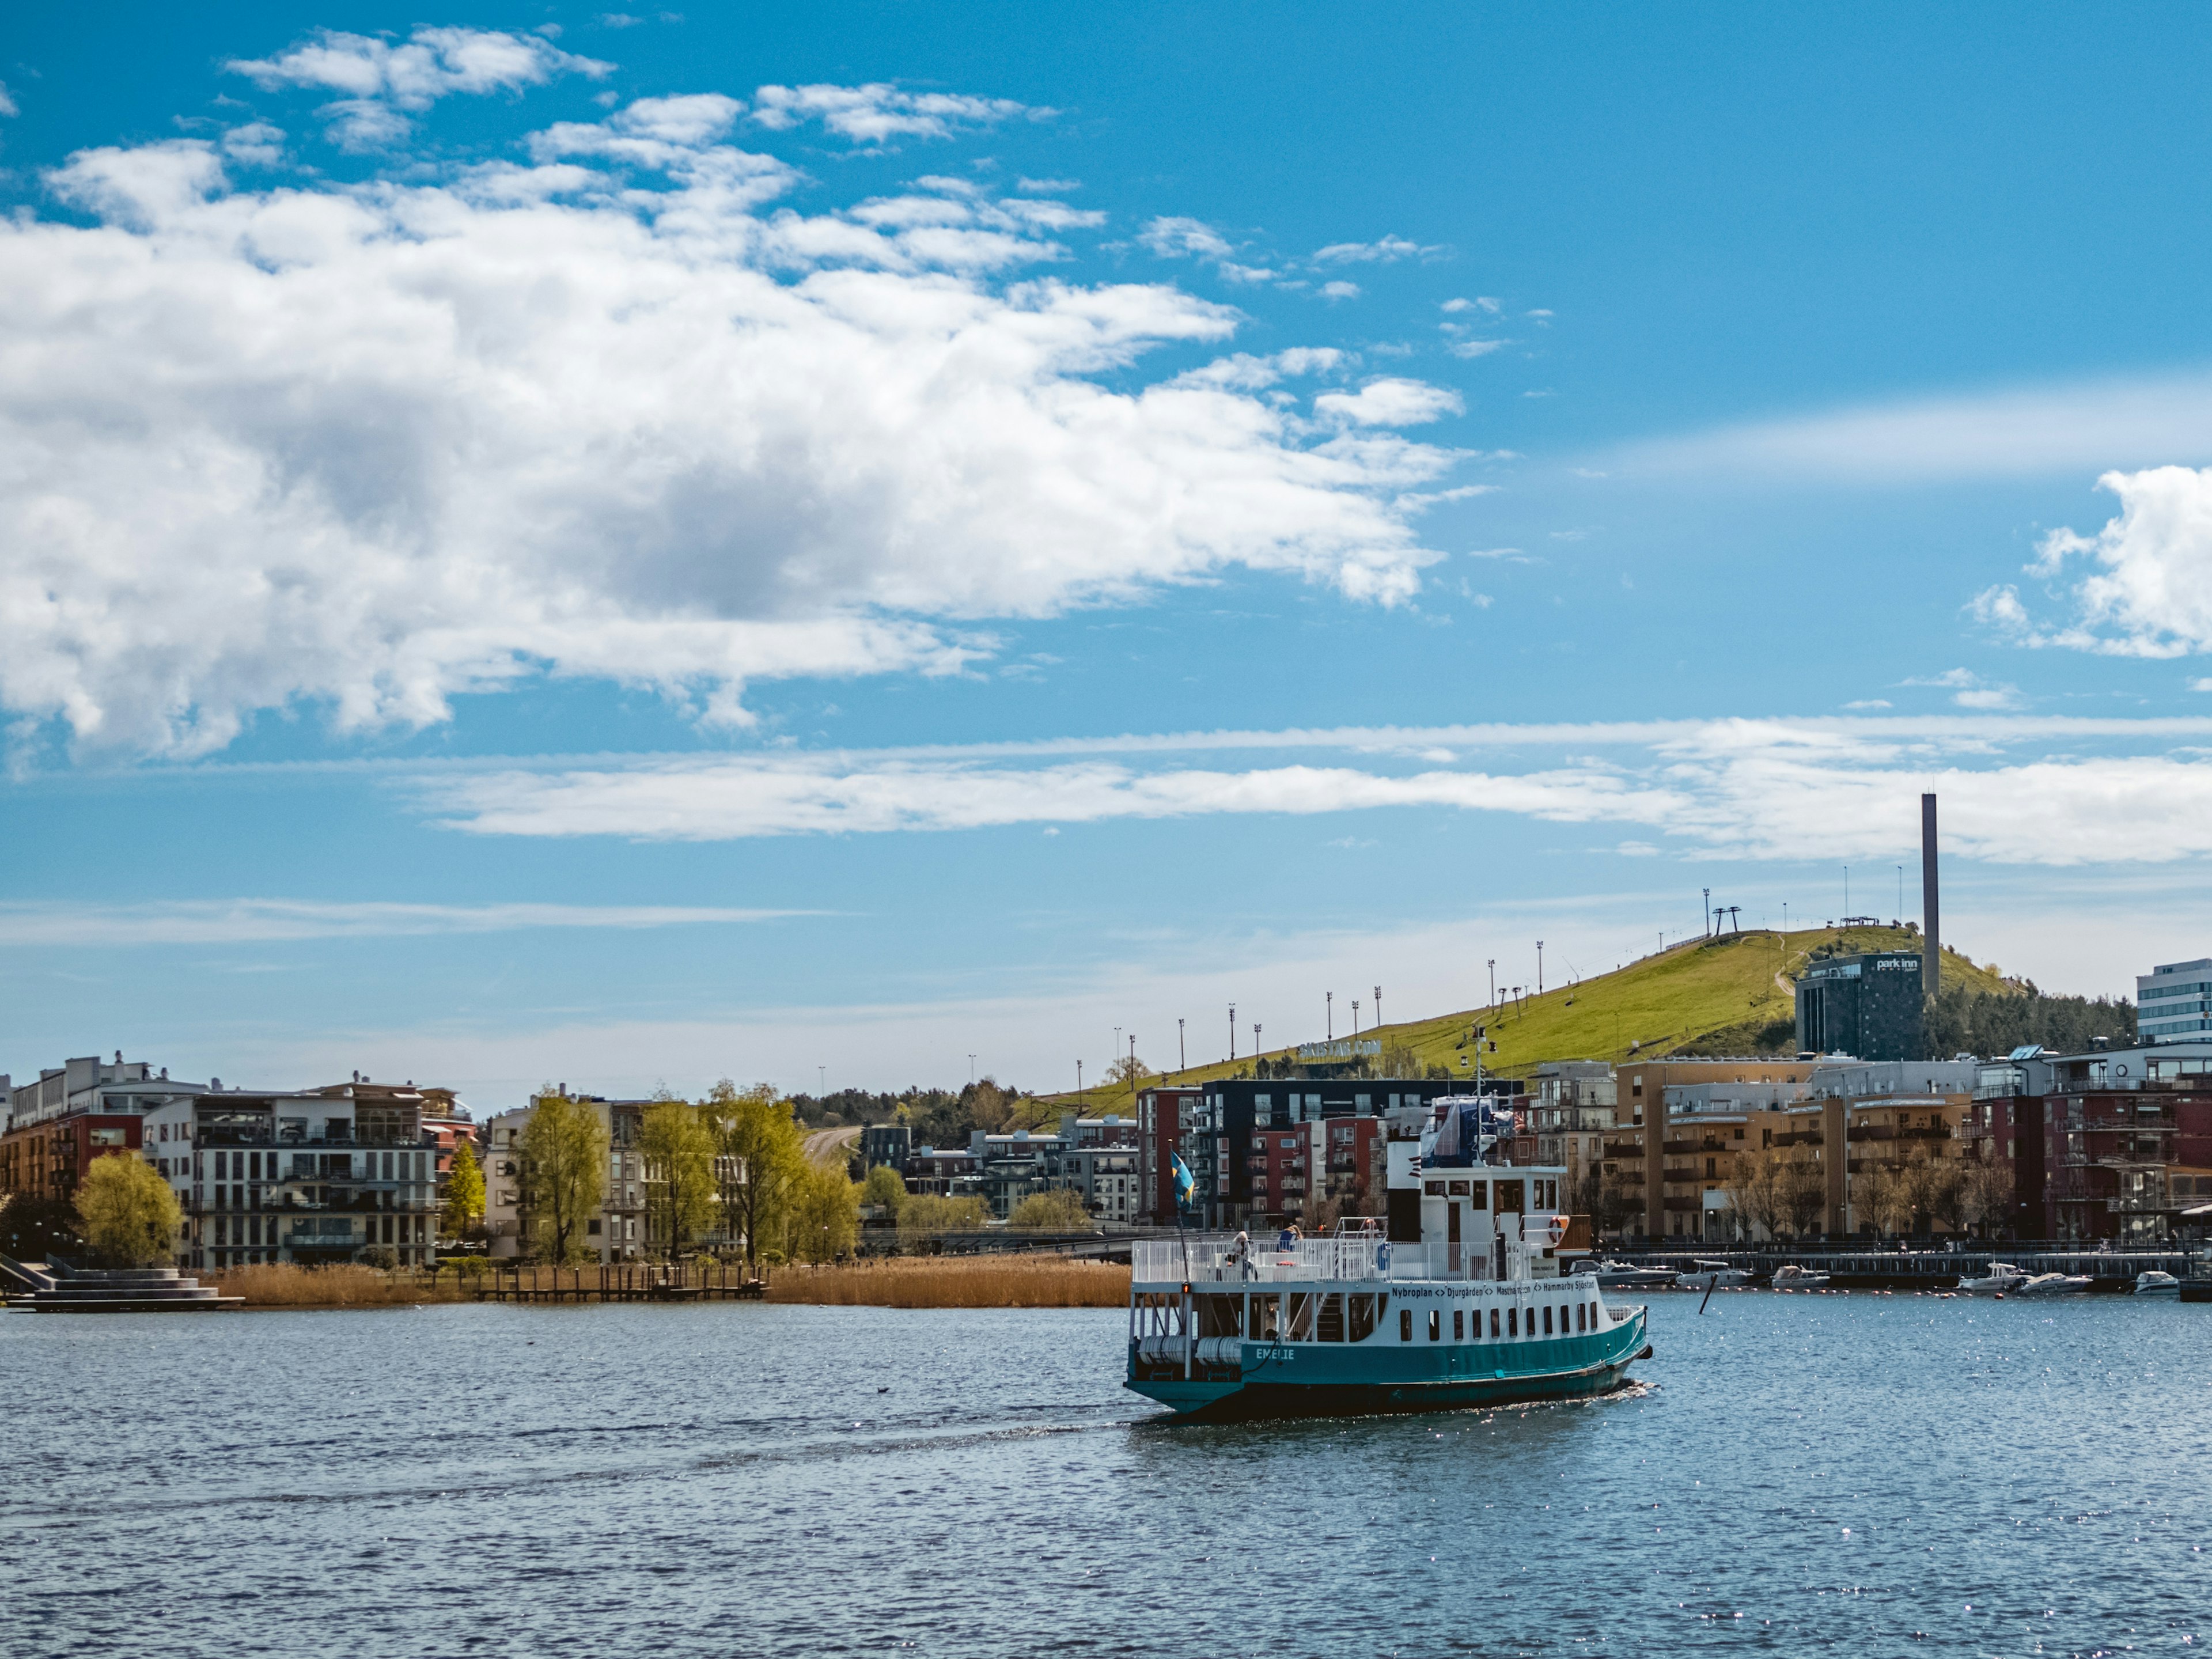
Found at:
[1350, 1048]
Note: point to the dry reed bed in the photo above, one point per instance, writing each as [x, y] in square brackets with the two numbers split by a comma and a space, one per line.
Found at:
[282, 1284]
[956, 1282]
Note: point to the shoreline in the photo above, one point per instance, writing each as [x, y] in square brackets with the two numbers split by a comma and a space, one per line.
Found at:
[980, 1282]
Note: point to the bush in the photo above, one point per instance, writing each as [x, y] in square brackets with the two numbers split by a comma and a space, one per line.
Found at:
[923, 1217]
[382, 1255]
[1061, 1211]
[130, 1216]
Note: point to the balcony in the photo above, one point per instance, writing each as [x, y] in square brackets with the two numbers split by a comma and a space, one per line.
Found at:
[1709, 1144]
[1802, 1138]
[1623, 1149]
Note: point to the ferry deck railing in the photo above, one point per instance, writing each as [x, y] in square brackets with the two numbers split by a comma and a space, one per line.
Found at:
[1214, 1259]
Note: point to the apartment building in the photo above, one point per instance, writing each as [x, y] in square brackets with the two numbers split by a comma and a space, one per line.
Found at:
[2112, 1144]
[311, 1176]
[617, 1231]
[1697, 1115]
[1570, 1111]
[82, 1110]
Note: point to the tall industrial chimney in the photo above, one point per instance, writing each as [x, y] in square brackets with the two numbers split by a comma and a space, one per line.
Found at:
[1931, 956]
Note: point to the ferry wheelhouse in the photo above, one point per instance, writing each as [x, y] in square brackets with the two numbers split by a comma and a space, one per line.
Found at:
[1457, 1300]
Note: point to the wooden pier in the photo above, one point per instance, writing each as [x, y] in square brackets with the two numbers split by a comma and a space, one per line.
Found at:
[626, 1281]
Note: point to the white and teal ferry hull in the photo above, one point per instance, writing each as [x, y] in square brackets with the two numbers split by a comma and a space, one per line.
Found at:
[1273, 1379]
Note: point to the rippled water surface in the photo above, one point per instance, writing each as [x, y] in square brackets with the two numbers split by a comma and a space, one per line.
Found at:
[1794, 1474]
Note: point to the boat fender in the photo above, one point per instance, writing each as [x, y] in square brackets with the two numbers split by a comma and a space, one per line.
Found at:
[1382, 1259]
[1646, 1354]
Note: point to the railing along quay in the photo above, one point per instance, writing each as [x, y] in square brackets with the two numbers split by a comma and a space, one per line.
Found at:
[626, 1281]
[1937, 1269]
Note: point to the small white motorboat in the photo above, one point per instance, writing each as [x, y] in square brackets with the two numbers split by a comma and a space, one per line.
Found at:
[2056, 1284]
[1791, 1276]
[2155, 1283]
[2001, 1278]
[1713, 1275]
[1620, 1276]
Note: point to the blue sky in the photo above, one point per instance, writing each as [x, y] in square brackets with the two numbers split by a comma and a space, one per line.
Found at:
[820, 542]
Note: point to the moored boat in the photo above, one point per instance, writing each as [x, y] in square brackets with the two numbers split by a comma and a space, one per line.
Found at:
[1620, 1276]
[1713, 1275]
[1459, 1302]
[2152, 1282]
[2001, 1278]
[2056, 1284]
[1791, 1276]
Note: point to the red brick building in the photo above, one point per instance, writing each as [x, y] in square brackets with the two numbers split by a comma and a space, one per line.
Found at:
[2107, 1144]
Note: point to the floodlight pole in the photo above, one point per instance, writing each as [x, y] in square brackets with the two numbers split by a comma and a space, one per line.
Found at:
[1183, 1055]
[1233, 1031]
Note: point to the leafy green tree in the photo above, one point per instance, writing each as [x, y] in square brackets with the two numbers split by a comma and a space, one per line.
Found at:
[1060, 1210]
[822, 1221]
[564, 1174]
[923, 1219]
[679, 1172]
[758, 1160]
[130, 1216]
[886, 1186]
[464, 1190]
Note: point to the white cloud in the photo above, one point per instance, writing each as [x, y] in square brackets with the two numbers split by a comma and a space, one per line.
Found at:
[1797, 790]
[1047, 187]
[247, 920]
[7, 104]
[2151, 593]
[1175, 237]
[878, 113]
[1386, 251]
[1482, 303]
[379, 79]
[256, 144]
[1389, 401]
[1339, 290]
[369, 446]
[1969, 690]
[1479, 348]
[2017, 433]
[1870, 702]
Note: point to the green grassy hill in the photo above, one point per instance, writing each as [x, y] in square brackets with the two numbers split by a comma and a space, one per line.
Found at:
[1728, 995]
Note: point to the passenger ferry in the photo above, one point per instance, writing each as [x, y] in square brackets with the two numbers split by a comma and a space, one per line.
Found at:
[1459, 1301]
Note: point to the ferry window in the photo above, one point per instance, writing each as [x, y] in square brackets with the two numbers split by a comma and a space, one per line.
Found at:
[1547, 1319]
[1456, 1188]
[1509, 1197]
[1302, 1315]
[1364, 1312]
[1265, 1314]
[1581, 1316]
[1513, 1322]
[1433, 1188]
[1435, 1325]
[1493, 1322]
[1481, 1195]
[1405, 1324]
[1459, 1325]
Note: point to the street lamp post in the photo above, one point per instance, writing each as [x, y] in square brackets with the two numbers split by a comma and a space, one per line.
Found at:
[1233, 1031]
[1182, 1058]
[1328, 1016]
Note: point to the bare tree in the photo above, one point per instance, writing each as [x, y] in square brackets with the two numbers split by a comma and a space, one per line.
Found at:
[1802, 1194]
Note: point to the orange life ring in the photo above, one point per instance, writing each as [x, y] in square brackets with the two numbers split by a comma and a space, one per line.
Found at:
[1558, 1225]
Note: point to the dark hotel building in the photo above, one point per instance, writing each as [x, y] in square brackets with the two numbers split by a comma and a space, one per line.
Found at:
[1867, 1005]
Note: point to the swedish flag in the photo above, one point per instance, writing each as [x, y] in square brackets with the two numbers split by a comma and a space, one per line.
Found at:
[1185, 1188]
